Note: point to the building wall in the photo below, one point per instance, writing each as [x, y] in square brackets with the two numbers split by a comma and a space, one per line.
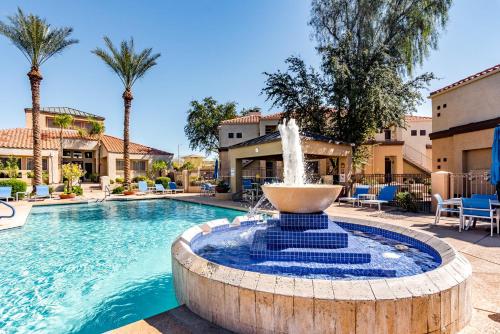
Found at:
[264, 123]
[418, 142]
[79, 121]
[378, 153]
[248, 131]
[52, 157]
[474, 102]
[463, 152]
[113, 173]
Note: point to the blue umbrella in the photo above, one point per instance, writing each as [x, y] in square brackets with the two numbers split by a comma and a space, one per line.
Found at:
[216, 169]
[495, 158]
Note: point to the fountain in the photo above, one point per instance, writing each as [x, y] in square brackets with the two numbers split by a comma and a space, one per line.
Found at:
[303, 272]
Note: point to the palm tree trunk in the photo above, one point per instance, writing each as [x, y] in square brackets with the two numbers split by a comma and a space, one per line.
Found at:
[35, 79]
[127, 100]
[60, 155]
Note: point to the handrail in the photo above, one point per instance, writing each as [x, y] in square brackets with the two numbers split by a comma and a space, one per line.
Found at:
[9, 206]
[107, 193]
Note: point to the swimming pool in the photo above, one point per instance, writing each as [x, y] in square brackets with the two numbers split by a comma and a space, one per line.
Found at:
[92, 268]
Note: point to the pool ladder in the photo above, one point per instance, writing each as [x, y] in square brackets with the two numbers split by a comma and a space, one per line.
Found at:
[107, 193]
[10, 207]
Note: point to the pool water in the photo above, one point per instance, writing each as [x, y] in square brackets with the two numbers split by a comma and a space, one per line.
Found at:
[92, 268]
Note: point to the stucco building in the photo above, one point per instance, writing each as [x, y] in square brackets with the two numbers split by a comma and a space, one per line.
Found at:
[465, 114]
[77, 148]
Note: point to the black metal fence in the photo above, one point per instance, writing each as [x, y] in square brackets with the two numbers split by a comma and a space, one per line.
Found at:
[414, 190]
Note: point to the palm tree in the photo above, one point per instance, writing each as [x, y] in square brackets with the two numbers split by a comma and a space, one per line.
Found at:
[129, 66]
[38, 42]
[62, 121]
[97, 129]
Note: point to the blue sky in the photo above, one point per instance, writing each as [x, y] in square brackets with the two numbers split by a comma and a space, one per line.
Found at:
[209, 48]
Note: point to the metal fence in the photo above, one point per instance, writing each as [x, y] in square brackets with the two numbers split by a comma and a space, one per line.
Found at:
[474, 182]
[417, 185]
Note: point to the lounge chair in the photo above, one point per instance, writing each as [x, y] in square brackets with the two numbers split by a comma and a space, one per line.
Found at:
[477, 208]
[360, 190]
[143, 187]
[160, 188]
[386, 194]
[41, 192]
[173, 188]
[5, 193]
[444, 206]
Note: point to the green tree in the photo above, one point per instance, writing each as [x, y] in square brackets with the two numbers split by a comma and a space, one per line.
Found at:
[96, 130]
[38, 42]
[368, 50]
[204, 118]
[62, 121]
[159, 166]
[129, 65]
[71, 172]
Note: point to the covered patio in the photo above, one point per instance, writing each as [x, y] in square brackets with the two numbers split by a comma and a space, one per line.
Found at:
[319, 152]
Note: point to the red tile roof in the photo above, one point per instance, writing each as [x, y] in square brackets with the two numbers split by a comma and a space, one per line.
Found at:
[487, 71]
[252, 119]
[22, 138]
[417, 118]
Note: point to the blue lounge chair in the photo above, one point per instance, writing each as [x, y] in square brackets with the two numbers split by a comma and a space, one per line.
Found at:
[160, 188]
[5, 193]
[386, 194]
[360, 190]
[173, 188]
[477, 208]
[41, 192]
[143, 187]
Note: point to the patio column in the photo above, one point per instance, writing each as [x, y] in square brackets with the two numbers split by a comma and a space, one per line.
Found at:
[235, 174]
[440, 184]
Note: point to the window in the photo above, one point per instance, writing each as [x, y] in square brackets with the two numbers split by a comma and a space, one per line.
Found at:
[444, 105]
[30, 165]
[423, 132]
[77, 155]
[445, 159]
[439, 108]
[387, 134]
[439, 160]
[88, 155]
[413, 132]
[66, 154]
[139, 165]
[438, 114]
[439, 167]
[239, 135]
[50, 122]
[230, 135]
[120, 165]
[270, 129]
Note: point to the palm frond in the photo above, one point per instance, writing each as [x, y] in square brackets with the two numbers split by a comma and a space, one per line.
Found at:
[35, 38]
[125, 62]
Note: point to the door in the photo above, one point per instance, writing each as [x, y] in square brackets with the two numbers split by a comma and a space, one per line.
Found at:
[88, 170]
[388, 169]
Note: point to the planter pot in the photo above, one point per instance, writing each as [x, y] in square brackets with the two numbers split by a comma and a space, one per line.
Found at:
[224, 196]
[129, 192]
[67, 196]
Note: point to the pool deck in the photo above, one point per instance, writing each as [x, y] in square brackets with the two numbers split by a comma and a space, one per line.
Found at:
[482, 251]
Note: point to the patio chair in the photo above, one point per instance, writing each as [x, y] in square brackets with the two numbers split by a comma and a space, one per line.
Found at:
[207, 189]
[386, 194]
[160, 188]
[41, 192]
[443, 206]
[143, 187]
[477, 208]
[5, 193]
[360, 190]
[173, 188]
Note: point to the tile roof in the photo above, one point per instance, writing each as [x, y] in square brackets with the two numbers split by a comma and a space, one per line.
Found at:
[68, 111]
[417, 118]
[22, 138]
[115, 145]
[487, 71]
[252, 119]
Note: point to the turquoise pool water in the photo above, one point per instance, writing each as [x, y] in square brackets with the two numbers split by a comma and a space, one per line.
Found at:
[92, 268]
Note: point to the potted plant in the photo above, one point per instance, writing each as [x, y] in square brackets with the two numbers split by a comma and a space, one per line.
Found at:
[222, 191]
[71, 172]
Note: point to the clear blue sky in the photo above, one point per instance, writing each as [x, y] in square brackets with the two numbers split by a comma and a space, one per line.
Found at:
[209, 48]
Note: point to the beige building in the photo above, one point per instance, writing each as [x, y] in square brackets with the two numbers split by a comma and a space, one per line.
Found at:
[77, 148]
[464, 116]
[402, 150]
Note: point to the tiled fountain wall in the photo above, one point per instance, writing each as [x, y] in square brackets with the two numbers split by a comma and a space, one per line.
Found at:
[250, 302]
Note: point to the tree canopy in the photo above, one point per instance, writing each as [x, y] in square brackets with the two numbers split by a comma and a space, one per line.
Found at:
[368, 51]
[204, 118]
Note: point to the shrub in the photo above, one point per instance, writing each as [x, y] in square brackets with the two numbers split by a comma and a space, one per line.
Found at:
[94, 177]
[120, 180]
[139, 178]
[111, 181]
[406, 201]
[163, 180]
[222, 187]
[17, 186]
[77, 190]
[118, 190]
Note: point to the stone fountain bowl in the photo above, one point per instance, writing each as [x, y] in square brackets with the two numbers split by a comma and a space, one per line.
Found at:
[308, 198]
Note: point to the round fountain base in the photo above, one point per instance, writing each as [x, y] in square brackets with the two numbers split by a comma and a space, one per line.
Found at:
[245, 301]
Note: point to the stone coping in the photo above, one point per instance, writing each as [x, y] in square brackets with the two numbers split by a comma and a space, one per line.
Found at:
[250, 302]
[454, 268]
